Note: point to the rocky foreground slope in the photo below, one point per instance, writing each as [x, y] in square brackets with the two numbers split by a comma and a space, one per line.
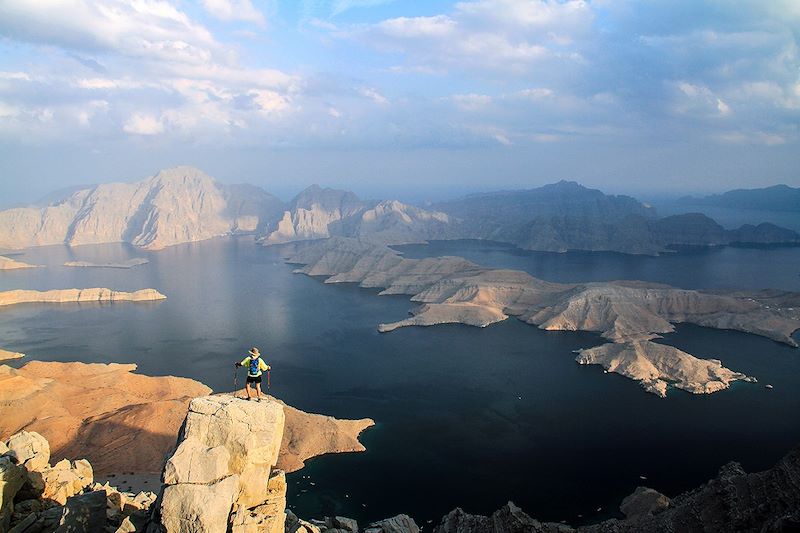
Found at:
[126, 422]
[629, 313]
[222, 476]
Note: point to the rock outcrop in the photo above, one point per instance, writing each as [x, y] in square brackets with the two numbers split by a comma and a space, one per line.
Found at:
[629, 313]
[767, 501]
[130, 263]
[6, 263]
[126, 422]
[175, 206]
[36, 497]
[58, 296]
[221, 476]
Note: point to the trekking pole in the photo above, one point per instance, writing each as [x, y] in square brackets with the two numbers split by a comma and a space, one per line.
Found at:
[268, 379]
[235, 381]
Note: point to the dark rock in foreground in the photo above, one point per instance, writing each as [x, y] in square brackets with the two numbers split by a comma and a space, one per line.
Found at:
[767, 501]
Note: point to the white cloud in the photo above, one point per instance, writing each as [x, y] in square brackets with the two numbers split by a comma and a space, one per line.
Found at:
[235, 10]
[143, 124]
[374, 95]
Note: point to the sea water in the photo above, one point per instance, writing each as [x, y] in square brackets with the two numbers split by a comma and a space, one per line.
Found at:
[469, 417]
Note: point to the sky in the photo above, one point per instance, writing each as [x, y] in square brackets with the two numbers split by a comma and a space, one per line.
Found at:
[413, 99]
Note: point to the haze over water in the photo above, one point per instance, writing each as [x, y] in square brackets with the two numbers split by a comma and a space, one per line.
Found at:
[465, 416]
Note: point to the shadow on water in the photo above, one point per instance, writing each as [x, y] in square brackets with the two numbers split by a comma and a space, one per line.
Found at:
[469, 417]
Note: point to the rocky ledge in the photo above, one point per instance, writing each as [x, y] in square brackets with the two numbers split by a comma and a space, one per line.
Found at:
[58, 296]
[629, 313]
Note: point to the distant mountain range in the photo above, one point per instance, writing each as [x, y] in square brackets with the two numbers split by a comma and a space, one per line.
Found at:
[184, 204]
[775, 198]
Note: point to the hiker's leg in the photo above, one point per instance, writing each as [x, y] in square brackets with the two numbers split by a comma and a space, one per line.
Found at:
[247, 388]
[258, 390]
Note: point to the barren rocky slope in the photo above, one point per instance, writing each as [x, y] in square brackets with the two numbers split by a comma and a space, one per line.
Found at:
[629, 313]
[123, 421]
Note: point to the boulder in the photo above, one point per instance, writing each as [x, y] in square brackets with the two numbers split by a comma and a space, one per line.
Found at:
[84, 514]
[297, 525]
[342, 523]
[643, 502]
[65, 479]
[30, 449]
[397, 524]
[12, 478]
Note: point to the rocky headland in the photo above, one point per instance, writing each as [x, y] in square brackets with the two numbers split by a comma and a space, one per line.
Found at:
[6, 355]
[629, 313]
[130, 263]
[6, 263]
[58, 296]
[126, 422]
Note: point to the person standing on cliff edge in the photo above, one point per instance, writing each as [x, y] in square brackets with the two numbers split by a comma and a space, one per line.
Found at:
[255, 367]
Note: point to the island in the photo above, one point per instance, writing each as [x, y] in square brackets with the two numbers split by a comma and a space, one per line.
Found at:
[630, 314]
[130, 263]
[78, 295]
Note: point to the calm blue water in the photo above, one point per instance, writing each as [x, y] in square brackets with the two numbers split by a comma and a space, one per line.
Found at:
[465, 416]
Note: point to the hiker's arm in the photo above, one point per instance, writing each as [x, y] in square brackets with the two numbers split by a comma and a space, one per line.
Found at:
[264, 366]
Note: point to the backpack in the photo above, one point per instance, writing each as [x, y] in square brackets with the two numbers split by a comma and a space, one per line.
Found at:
[253, 370]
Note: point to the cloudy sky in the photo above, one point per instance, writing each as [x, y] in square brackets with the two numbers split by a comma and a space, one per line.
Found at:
[411, 98]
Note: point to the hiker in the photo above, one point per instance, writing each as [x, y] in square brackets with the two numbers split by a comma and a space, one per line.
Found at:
[255, 367]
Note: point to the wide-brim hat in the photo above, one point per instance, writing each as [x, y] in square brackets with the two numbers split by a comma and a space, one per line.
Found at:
[254, 351]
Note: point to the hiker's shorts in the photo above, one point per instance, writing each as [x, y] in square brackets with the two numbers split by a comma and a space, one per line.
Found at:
[254, 379]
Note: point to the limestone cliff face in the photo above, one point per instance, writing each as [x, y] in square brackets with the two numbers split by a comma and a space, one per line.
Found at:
[175, 206]
[221, 476]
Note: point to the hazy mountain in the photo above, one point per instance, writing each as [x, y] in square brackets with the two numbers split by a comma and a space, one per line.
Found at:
[178, 205]
[775, 198]
[567, 216]
[319, 213]
[184, 204]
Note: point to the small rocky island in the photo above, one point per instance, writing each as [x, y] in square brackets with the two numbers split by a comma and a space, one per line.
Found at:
[631, 314]
[130, 263]
[58, 296]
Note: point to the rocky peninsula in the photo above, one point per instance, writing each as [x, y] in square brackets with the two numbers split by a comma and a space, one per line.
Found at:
[126, 422]
[59, 296]
[130, 263]
[629, 313]
[6, 263]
